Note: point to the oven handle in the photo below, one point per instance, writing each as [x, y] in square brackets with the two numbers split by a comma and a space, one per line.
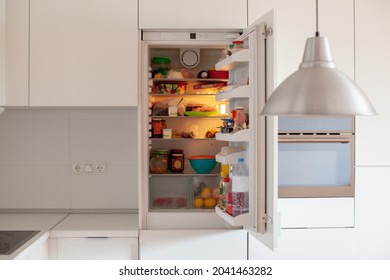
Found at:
[315, 140]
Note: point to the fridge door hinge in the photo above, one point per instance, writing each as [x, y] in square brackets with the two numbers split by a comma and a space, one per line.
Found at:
[265, 219]
[268, 32]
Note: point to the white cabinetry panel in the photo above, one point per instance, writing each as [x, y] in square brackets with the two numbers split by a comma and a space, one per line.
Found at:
[14, 35]
[320, 244]
[295, 22]
[372, 208]
[372, 74]
[83, 53]
[202, 14]
[97, 248]
[193, 244]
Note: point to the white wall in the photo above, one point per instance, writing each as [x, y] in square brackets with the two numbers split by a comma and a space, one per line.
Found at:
[38, 146]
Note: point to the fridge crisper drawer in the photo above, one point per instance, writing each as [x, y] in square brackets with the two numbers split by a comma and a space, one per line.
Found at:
[195, 192]
[316, 167]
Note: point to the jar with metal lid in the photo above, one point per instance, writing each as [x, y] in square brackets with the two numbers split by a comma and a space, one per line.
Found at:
[159, 162]
[176, 161]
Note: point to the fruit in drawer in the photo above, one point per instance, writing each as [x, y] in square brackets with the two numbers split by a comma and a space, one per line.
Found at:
[206, 192]
[181, 202]
[198, 202]
[210, 202]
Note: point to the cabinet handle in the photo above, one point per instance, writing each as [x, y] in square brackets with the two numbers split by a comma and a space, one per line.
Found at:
[314, 140]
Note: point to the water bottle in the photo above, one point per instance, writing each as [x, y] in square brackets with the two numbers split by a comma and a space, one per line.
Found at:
[238, 198]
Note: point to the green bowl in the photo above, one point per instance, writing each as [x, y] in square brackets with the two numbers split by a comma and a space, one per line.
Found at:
[203, 164]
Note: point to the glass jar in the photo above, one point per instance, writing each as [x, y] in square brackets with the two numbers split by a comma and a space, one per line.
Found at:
[238, 45]
[157, 128]
[159, 162]
[176, 161]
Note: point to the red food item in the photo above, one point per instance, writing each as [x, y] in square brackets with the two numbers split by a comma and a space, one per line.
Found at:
[181, 202]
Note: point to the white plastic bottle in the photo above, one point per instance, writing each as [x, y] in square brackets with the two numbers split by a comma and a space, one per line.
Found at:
[239, 197]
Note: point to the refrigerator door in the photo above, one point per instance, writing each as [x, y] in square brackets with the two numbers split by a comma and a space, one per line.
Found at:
[265, 225]
[259, 140]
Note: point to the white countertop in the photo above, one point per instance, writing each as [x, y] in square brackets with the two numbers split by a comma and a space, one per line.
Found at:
[97, 225]
[67, 225]
[41, 222]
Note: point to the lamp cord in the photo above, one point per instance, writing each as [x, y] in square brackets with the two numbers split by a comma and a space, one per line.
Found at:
[317, 32]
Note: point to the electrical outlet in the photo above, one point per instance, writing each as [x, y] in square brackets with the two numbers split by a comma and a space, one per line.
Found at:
[89, 167]
[77, 167]
[100, 167]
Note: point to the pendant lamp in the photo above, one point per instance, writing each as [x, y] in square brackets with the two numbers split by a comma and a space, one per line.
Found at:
[317, 87]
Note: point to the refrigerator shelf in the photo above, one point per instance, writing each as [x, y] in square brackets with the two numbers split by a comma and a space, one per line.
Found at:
[241, 220]
[188, 80]
[237, 93]
[239, 136]
[237, 59]
[228, 159]
[184, 174]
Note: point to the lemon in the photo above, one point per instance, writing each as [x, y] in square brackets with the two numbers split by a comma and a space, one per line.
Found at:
[198, 202]
[210, 202]
[206, 192]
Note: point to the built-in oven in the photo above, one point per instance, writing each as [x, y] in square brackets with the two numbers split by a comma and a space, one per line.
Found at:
[316, 157]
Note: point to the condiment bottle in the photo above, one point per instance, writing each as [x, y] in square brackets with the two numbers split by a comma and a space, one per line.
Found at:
[159, 162]
[176, 161]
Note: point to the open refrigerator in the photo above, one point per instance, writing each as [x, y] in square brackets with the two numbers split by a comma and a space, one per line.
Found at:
[191, 84]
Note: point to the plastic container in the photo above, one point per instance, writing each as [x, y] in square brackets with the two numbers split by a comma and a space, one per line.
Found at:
[238, 45]
[171, 88]
[218, 74]
[203, 164]
[159, 162]
[160, 67]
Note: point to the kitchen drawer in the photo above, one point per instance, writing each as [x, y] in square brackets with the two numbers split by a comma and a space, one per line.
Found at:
[97, 248]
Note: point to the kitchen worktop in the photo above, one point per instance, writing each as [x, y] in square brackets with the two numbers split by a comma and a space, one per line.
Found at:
[67, 225]
[41, 222]
[97, 225]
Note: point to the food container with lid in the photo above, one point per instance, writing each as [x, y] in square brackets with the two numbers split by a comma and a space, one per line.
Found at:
[159, 162]
[160, 67]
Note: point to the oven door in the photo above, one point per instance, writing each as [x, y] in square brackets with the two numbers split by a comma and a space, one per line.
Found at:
[316, 166]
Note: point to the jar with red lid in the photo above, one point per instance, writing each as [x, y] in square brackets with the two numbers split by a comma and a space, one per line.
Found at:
[238, 45]
[176, 161]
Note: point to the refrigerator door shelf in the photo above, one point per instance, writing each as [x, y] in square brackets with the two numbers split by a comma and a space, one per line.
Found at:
[236, 93]
[235, 60]
[228, 159]
[239, 136]
[241, 220]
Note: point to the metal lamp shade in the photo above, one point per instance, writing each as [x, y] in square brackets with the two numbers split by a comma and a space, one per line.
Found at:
[318, 88]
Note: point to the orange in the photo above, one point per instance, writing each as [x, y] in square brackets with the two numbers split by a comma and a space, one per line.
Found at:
[198, 202]
[210, 202]
[206, 192]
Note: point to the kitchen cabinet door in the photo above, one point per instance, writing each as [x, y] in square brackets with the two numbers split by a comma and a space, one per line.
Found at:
[108, 248]
[14, 24]
[193, 244]
[295, 21]
[83, 53]
[201, 14]
[305, 244]
[372, 74]
[372, 229]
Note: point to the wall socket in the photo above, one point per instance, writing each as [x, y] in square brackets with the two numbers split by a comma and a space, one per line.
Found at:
[89, 167]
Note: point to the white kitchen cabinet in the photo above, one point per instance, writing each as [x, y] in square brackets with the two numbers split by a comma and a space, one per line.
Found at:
[295, 22]
[193, 244]
[202, 14]
[372, 230]
[372, 74]
[95, 237]
[14, 30]
[97, 248]
[83, 53]
[304, 244]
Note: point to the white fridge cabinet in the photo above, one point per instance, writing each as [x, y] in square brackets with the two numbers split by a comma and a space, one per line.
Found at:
[259, 141]
[14, 52]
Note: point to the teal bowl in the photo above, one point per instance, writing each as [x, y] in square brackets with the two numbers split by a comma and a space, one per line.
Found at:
[203, 164]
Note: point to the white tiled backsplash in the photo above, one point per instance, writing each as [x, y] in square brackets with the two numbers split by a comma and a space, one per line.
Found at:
[38, 147]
